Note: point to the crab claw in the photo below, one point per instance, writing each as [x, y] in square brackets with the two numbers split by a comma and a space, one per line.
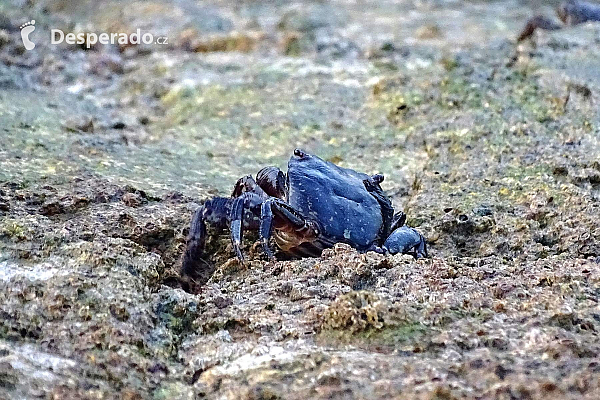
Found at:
[378, 178]
[406, 240]
[272, 181]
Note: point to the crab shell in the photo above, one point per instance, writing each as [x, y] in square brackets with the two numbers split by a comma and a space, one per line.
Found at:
[335, 199]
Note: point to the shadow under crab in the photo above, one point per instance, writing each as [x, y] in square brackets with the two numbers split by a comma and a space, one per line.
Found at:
[316, 205]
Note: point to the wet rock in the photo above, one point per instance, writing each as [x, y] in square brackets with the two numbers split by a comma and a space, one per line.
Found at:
[119, 125]
[4, 38]
[587, 175]
[461, 227]
[475, 137]
[560, 170]
[106, 65]
[336, 47]
[190, 40]
[425, 32]
[51, 208]
[291, 44]
[132, 199]
[222, 302]
[306, 20]
[502, 372]
[85, 125]
[483, 211]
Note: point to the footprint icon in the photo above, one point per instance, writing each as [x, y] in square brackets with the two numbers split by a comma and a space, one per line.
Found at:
[26, 29]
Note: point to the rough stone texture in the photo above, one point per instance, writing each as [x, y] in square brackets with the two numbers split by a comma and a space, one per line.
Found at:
[491, 148]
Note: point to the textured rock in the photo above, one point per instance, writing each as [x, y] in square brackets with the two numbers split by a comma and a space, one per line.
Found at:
[490, 148]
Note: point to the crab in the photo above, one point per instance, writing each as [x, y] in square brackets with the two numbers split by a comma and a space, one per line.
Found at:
[570, 13]
[311, 208]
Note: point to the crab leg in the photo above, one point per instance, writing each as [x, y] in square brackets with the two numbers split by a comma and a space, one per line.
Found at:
[387, 211]
[275, 212]
[214, 212]
[195, 244]
[244, 201]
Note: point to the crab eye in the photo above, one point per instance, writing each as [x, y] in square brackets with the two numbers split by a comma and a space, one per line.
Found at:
[299, 153]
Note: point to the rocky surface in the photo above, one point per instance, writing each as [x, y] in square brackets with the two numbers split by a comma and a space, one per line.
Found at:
[491, 148]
